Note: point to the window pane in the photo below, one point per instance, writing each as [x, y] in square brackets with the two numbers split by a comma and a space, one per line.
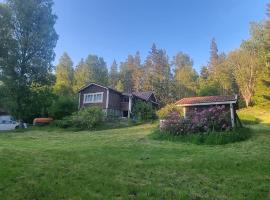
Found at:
[90, 98]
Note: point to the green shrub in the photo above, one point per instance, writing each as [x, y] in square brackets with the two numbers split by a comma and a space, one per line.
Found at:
[144, 111]
[88, 118]
[163, 112]
[211, 138]
[62, 107]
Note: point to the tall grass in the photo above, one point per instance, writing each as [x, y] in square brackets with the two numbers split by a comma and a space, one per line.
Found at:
[211, 138]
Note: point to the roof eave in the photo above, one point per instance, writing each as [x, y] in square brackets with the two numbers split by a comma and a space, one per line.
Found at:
[205, 104]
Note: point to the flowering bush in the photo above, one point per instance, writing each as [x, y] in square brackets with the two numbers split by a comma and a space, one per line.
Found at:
[165, 111]
[208, 120]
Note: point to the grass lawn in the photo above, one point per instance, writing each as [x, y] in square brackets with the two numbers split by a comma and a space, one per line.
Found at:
[127, 164]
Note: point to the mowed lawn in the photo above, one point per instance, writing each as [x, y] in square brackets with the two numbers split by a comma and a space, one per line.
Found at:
[127, 164]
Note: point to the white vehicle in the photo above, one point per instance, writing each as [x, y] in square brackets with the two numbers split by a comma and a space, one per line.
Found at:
[8, 123]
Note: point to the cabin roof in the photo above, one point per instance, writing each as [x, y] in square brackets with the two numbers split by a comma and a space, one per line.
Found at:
[143, 95]
[207, 100]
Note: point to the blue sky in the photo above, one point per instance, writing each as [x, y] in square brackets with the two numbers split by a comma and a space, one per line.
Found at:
[115, 28]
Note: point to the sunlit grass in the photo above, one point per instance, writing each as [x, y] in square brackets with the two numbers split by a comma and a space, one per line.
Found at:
[128, 164]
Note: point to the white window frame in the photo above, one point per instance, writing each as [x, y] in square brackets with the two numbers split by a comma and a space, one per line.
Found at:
[93, 94]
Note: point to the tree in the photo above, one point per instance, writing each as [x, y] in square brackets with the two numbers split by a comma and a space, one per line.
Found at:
[225, 81]
[131, 73]
[98, 71]
[213, 57]
[185, 76]
[268, 25]
[259, 46]
[81, 76]
[246, 68]
[204, 74]
[27, 37]
[64, 76]
[113, 75]
[157, 74]
[137, 75]
[126, 74]
[119, 86]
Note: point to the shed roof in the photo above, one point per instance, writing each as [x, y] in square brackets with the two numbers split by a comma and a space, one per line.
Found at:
[207, 100]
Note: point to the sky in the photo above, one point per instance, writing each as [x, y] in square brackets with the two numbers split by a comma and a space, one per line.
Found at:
[113, 29]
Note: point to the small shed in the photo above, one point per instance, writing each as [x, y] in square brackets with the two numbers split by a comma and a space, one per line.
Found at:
[199, 103]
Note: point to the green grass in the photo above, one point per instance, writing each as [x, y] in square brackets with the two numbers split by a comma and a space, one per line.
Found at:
[212, 138]
[128, 164]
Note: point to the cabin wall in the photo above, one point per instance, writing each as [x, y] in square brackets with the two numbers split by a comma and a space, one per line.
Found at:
[93, 89]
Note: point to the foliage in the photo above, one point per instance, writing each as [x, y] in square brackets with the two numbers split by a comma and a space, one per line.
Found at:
[64, 76]
[246, 68]
[62, 106]
[208, 88]
[143, 111]
[88, 118]
[81, 76]
[85, 118]
[131, 73]
[119, 86]
[209, 138]
[157, 74]
[27, 38]
[113, 75]
[208, 120]
[163, 112]
[98, 71]
[185, 76]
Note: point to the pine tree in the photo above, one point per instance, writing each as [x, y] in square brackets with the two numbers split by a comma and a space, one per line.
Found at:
[113, 75]
[98, 69]
[213, 57]
[158, 74]
[64, 76]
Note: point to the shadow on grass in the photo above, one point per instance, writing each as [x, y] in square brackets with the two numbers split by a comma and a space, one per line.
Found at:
[108, 125]
[211, 138]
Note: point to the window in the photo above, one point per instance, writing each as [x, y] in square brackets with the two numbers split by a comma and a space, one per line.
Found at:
[93, 97]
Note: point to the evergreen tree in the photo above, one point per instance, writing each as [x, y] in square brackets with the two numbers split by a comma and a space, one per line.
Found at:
[158, 74]
[98, 69]
[64, 76]
[114, 75]
[213, 58]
